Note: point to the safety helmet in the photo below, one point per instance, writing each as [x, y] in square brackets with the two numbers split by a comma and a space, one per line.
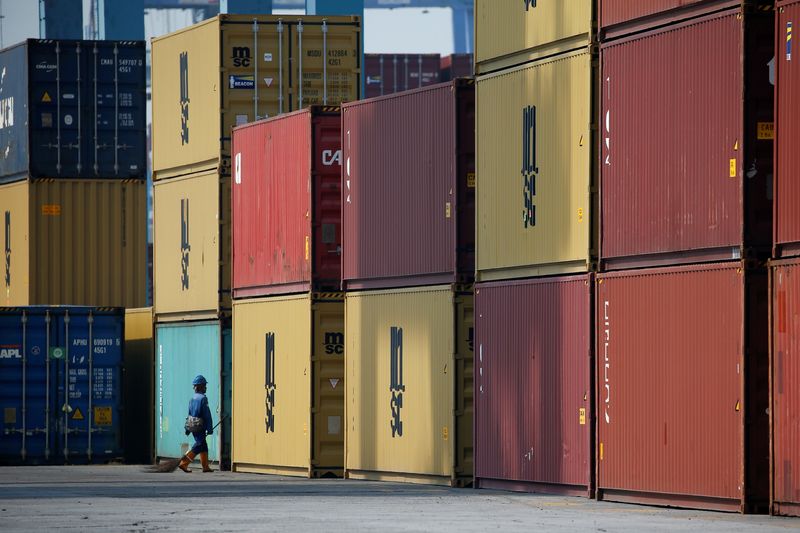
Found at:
[199, 380]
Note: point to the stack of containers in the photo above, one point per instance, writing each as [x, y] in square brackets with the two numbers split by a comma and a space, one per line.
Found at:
[682, 331]
[407, 266]
[208, 78]
[72, 171]
[392, 73]
[536, 245]
[785, 370]
[288, 316]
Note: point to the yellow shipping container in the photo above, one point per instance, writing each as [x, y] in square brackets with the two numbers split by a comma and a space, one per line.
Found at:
[409, 418]
[74, 242]
[191, 247]
[511, 32]
[535, 198]
[232, 69]
[138, 385]
[288, 385]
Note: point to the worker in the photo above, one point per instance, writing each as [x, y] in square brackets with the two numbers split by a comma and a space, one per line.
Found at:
[199, 424]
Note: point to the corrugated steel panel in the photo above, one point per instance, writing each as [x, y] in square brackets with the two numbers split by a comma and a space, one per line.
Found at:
[288, 393]
[621, 17]
[456, 66]
[392, 73]
[538, 220]
[787, 129]
[191, 247]
[534, 415]
[785, 378]
[512, 32]
[409, 360]
[685, 170]
[226, 71]
[287, 204]
[138, 385]
[409, 157]
[73, 242]
[682, 387]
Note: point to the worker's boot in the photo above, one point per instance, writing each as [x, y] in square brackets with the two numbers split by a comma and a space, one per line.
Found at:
[184, 464]
[204, 462]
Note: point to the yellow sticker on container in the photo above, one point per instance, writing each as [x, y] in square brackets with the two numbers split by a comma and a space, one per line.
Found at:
[766, 131]
[51, 210]
[307, 248]
[580, 214]
[471, 180]
[733, 168]
[601, 451]
[102, 416]
[445, 433]
[582, 416]
[447, 210]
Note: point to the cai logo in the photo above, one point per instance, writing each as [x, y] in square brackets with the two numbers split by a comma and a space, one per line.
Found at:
[334, 343]
[184, 101]
[269, 383]
[529, 4]
[241, 56]
[8, 248]
[397, 387]
[185, 246]
[530, 170]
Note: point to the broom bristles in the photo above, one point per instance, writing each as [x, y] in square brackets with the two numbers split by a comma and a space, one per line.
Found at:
[164, 467]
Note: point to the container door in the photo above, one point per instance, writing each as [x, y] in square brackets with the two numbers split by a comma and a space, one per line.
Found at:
[327, 201]
[465, 390]
[328, 383]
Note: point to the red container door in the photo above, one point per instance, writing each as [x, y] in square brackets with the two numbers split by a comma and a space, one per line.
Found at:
[327, 187]
[533, 385]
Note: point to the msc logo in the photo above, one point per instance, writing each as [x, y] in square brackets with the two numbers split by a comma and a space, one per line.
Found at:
[10, 352]
[529, 4]
[241, 56]
[185, 246]
[606, 362]
[184, 97]
[8, 248]
[397, 387]
[530, 170]
[330, 158]
[334, 343]
[269, 383]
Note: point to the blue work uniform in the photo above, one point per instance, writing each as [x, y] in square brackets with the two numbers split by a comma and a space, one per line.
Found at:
[198, 406]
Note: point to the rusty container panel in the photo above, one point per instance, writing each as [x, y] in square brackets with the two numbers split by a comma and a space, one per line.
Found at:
[287, 204]
[682, 387]
[533, 426]
[785, 377]
[621, 17]
[393, 73]
[408, 191]
[685, 164]
[787, 128]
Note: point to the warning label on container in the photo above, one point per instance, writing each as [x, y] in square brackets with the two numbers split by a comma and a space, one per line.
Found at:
[733, 168]
[766, 131]
[77, 414]
[46, 97]
[102, 416]
[51, 210]
[471, 180]
[582, 416]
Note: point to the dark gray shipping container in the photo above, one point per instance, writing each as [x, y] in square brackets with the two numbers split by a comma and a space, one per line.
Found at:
[73, 109]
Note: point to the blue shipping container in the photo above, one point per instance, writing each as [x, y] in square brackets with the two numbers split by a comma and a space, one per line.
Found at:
[60, 384]
[73, 109]
[184, 350]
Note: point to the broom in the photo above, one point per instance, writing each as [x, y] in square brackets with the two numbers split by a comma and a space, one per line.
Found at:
[169, 465]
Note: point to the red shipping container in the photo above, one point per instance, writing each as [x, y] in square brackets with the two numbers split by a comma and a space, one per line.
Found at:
[682, 387]
[287, 204]
[621, 17]
[533, 422]
[787, 128]
[408, 207]
[785, 387]
[685, 162]
[456, 66]
[392, 73]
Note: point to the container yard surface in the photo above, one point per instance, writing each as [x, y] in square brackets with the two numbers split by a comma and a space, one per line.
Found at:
[122, 498]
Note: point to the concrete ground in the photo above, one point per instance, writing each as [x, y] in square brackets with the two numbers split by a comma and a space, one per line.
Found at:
[124, 498]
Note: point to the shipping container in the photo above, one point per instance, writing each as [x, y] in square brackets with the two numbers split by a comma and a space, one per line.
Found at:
[512, 32]
[137, 385]
[534, 142]
[393, 73]
[787, 128]
[73, 242]
[785, 387]
[408, 198]
[288, 385]
[410, 419]
[73, 109]
[61, 384]
[234, 69]
[183, 351]
[686, 148]
[534, 367]
[682, 387]
[192, 247]
[456, 66]
[287, 199]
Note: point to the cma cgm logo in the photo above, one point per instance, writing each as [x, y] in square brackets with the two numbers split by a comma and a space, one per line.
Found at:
[334, 343]
[185, 246]
[396, 387]
[269, 382]
[8, 248]
[530, 168]
[184, 97]
[44, 65]
[241, 56]
[529, 4]
[331, 157]
[10, 352]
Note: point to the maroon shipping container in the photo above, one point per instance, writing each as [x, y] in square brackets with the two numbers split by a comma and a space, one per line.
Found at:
[456, 66]
[287, 204]
[408, 196]
[686, 153]
[785, 387]
[682, 387]
[533, 421]
[787, 128]
[392, 73]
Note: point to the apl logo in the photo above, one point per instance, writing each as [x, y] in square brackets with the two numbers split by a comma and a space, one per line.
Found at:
[11, 351]
[241, 56]
[606, 362]
[269, 383]
[334, 343]
[330, 158]
[530, 170]
[529, 4]
[184, 101]
[185, 246]
[397, 387]
[8, 248]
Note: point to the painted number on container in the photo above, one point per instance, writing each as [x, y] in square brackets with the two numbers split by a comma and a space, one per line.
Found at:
[102, 416]
[269, 382]
[396, 387]
[530, 170]
[184, 96]
[185, 246]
